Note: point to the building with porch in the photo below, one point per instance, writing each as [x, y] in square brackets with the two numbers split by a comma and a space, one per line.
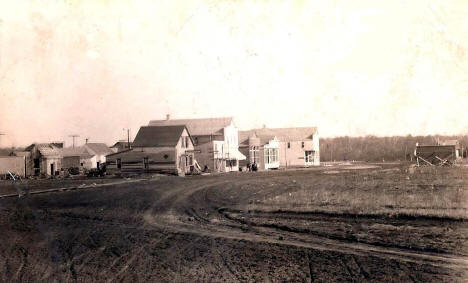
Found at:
[216, 141]
[262, 150]
[291, 147]
[156, 149]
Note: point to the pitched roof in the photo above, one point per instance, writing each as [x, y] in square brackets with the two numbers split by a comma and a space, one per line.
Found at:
[98, 148]
[80, 151]
[282, 134]
[197, 127]
[48, 150]
[158, 136]
[244, 137]
[54, 145]
[121, 144]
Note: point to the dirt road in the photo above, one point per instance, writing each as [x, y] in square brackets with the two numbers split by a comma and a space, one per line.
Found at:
[199, 229]
[198, 210]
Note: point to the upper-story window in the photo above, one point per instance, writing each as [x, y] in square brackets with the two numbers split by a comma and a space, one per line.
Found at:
[289, 145]
[182, 142]
[302, 144]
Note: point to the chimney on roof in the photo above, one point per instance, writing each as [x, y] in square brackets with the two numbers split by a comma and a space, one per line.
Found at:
[168, 116]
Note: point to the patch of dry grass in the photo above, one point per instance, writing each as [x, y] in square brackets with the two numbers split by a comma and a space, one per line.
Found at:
[431, 192]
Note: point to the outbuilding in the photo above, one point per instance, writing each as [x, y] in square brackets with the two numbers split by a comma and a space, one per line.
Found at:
[46, 158]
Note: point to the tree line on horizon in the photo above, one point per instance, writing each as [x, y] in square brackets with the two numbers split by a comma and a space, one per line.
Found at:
[372, 148]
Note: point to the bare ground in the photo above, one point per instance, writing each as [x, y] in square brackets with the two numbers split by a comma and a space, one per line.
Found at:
[205, 228]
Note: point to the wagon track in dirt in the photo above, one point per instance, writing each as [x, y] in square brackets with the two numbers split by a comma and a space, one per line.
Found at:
[183, 213]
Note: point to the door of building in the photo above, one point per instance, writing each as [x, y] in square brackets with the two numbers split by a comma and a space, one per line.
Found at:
[52, 169]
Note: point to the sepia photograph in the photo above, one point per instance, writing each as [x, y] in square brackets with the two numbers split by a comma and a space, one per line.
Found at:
[234, 141]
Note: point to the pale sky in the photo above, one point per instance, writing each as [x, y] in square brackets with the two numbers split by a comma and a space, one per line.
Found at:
[349, 67]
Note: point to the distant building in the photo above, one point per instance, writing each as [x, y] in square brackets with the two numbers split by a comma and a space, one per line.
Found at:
[44, 158]
[90, 155]
[441, 154]
[99, 151]
[290, 146]
[216, 141]
[156, 149]
[121, 146]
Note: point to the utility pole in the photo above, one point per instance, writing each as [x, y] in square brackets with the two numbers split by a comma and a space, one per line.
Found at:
[128, 137]
[73, 136]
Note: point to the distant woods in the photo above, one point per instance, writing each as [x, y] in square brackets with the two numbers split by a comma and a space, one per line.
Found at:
[372, 148]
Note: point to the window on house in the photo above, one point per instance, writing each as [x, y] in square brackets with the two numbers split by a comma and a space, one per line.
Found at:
[289, 145]
[309, 156]
[196, 140]
[271, 155]
[186, 141]
[254, 155]
[302, 144]
[119, 163]
[182, 142]
[274, 154]
[145, 162]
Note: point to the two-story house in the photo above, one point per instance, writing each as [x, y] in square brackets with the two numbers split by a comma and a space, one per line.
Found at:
[296, 146]
[262, 150]
[156, 149]
[216, 141]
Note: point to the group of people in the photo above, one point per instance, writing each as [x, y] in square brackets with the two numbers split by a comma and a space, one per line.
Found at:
[252, 167]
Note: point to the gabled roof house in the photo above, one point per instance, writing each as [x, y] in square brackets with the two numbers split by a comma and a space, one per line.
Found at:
[155, 149]
[215, 140]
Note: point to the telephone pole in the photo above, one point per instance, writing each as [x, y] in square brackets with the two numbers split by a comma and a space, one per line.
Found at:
[74, 136]
[128, 137]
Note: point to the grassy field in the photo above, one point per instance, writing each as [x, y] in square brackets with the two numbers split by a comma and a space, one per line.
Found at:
[396, 191]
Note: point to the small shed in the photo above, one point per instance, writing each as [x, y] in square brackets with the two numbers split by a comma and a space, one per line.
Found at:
[46, 158]
[435, 155]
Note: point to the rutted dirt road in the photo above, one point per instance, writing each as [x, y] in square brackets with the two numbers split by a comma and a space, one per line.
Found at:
[197, 210]
[204, 229]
